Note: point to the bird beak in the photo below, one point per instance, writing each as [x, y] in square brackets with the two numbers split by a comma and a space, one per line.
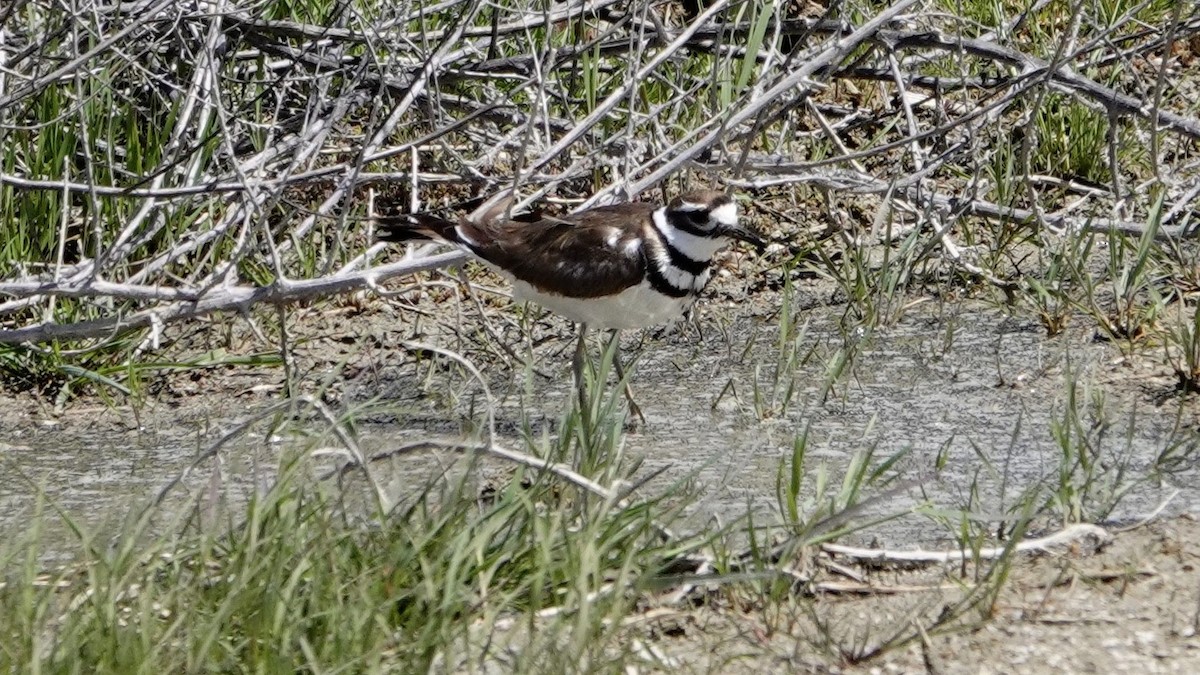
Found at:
[742, 233]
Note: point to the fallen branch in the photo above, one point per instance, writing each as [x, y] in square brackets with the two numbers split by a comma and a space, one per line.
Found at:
[218, 299]
[862, 184]
[1071, 534]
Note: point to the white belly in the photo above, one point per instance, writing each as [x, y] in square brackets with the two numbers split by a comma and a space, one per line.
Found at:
[635, 307]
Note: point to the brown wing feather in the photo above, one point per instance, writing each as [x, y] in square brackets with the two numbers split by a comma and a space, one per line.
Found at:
[568, 252]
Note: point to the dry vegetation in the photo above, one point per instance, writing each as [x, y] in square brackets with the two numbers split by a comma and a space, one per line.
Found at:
[164, 161]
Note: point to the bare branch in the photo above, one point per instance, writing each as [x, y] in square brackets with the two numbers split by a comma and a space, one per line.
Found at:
[217, 299]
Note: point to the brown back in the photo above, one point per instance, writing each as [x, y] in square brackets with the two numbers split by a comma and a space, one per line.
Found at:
[570, 253]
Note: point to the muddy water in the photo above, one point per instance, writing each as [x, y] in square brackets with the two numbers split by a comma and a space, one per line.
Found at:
[977, 403]
[102, 475]
[971, 401]
[970, 398]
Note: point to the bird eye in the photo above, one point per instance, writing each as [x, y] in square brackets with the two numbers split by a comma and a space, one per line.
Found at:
[698, 218]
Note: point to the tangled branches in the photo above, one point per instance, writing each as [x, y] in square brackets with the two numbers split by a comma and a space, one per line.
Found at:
[164, 160]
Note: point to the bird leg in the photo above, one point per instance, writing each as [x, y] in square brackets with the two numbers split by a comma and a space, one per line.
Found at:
[634, 409]
[577, 369]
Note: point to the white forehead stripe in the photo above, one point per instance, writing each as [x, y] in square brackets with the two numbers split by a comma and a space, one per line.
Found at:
[725, 214]
[691, 206]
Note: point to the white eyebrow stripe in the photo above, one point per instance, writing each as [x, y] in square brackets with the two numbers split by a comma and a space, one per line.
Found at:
[725, 214]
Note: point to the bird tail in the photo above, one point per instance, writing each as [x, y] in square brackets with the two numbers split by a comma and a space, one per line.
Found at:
[415, 227]
[426, 227]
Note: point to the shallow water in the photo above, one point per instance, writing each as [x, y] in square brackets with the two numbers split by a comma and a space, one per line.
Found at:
[971, 399]
[982, 394]
[976, 390]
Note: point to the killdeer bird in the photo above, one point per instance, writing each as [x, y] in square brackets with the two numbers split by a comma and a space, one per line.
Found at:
[619, 267]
